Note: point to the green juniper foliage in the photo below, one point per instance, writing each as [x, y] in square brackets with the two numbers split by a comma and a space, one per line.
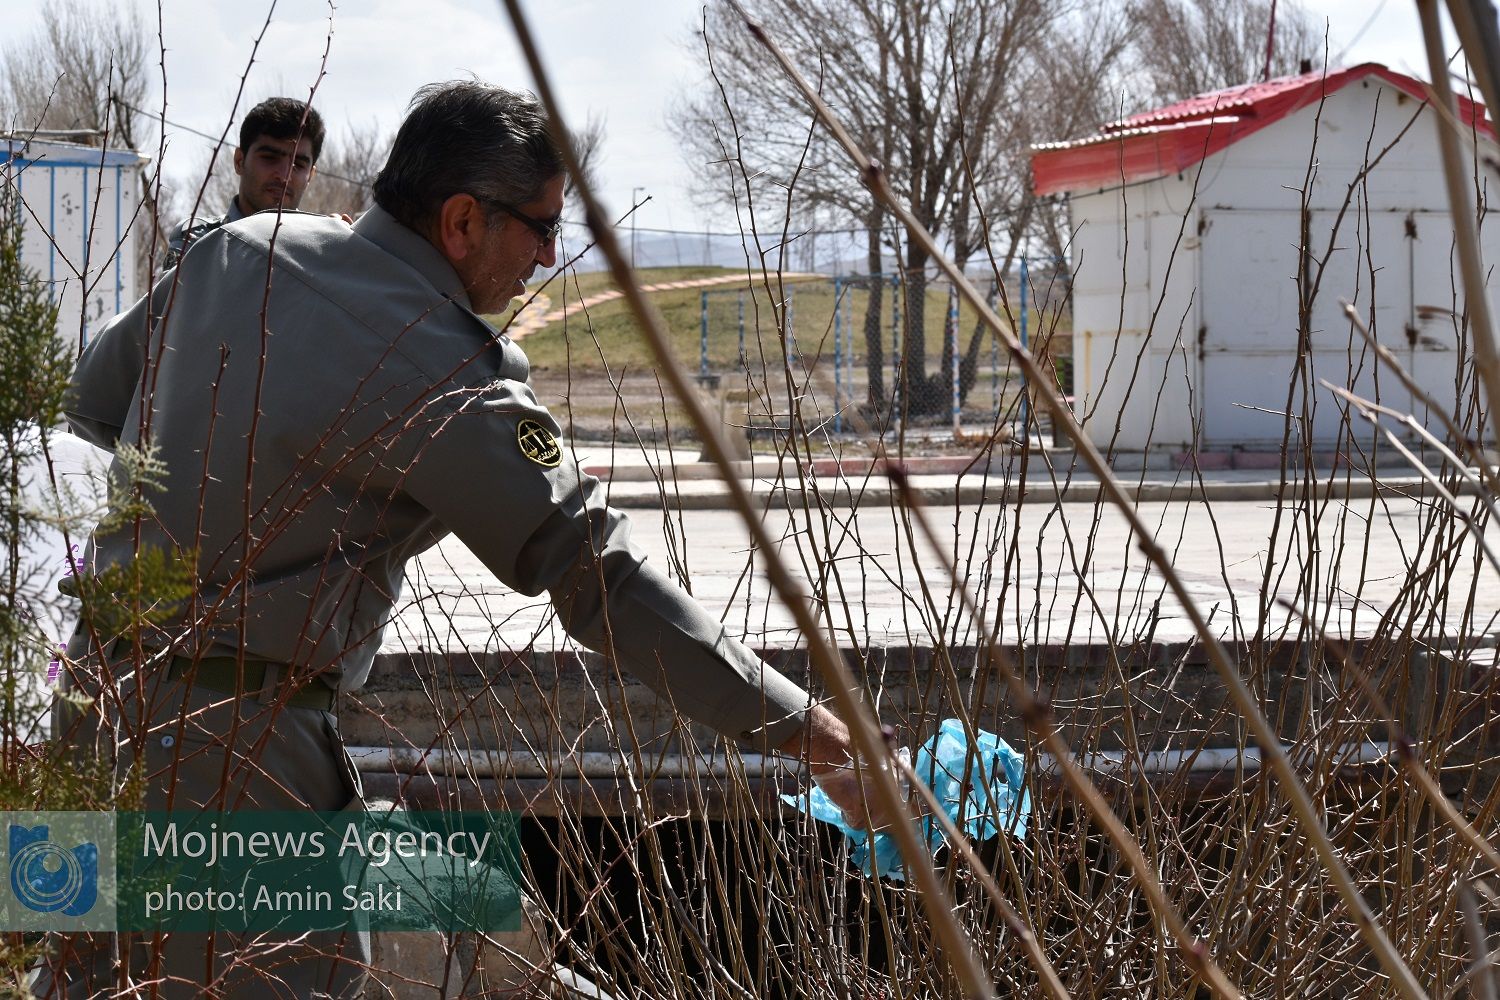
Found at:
[35, 367]
[120, 599]
[33, 377]
[34, 370]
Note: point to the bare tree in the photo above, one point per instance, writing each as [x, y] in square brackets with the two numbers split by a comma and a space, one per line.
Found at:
[213, 183]
[588, 140]
[1187, 47]
[85, 70]
[762, 155]
[1075, 72]
[346, 171]
[944, 92]
[84, 74]
[1085, 77]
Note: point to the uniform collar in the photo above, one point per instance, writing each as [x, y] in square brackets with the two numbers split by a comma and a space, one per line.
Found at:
[381, 228]
[234, 214]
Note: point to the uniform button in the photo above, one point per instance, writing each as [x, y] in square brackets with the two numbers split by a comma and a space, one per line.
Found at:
[169, 741]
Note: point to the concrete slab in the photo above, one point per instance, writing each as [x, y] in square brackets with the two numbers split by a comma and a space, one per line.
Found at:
[1093, 626]
[1059, 570]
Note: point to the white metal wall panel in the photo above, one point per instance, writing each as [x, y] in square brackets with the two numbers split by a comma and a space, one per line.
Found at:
[1435, 357]
[1397, 270]
[1250, 305]
[77, 204]
[1122, 381]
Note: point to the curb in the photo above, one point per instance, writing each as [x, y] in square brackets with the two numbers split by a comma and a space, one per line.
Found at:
[877, 493]
[954, 465]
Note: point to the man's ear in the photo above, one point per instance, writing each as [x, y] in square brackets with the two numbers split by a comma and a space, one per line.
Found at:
[239, 162]
[460, 226]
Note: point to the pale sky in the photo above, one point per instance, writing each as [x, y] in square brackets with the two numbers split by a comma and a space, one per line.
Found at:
[624, 60]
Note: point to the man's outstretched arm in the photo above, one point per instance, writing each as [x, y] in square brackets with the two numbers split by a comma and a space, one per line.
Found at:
[539, 525]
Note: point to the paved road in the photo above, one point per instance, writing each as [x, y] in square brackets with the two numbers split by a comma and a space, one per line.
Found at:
[1055, 573]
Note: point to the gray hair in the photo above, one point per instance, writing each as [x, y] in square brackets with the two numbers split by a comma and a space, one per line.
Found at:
[467, 137]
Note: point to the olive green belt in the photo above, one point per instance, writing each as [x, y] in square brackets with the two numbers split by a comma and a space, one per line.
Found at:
[230, 675]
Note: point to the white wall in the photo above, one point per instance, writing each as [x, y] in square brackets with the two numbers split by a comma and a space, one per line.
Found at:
[78, 203]
[76, 207]
[1221, 348]
[1135, 315]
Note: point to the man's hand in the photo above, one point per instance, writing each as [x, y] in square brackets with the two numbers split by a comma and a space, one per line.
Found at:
[857, 796]
[825, 745]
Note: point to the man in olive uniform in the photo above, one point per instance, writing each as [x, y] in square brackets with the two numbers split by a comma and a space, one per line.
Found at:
[328, 403]
[280, 142]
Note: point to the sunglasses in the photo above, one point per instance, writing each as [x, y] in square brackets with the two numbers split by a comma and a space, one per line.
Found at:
[546, 229]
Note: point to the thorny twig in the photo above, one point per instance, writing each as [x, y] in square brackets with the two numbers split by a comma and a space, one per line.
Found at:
[873, 749]
[1301, 802]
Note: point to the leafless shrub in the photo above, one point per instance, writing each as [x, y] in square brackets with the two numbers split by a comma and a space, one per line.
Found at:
[668, 873]
[85, 71]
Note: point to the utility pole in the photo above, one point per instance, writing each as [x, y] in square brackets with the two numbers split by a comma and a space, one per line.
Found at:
[633, 206]
[1270, 44]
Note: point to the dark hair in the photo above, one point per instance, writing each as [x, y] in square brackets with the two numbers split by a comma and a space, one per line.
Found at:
[466, 137]
[281, 118]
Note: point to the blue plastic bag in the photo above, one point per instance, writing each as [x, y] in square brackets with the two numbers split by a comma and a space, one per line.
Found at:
[994, 799]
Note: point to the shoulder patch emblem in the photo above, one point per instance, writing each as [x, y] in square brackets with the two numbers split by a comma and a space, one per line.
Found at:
[538, 444]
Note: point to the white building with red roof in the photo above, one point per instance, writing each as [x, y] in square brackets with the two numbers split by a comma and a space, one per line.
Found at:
[1191, 287]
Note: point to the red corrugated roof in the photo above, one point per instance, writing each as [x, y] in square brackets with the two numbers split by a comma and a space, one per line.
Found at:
[1169, 140]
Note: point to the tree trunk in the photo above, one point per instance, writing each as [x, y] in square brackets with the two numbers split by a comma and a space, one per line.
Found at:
[918, 395]
[874, 347]
[942, 381]
[968, 367]
[968, 363]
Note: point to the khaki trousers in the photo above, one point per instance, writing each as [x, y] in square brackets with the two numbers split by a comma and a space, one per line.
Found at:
[202, 749]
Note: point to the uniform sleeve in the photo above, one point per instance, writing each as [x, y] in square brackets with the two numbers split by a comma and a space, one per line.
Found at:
[109, 371]
[176, 244]
[492, 472]
[187, 231]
